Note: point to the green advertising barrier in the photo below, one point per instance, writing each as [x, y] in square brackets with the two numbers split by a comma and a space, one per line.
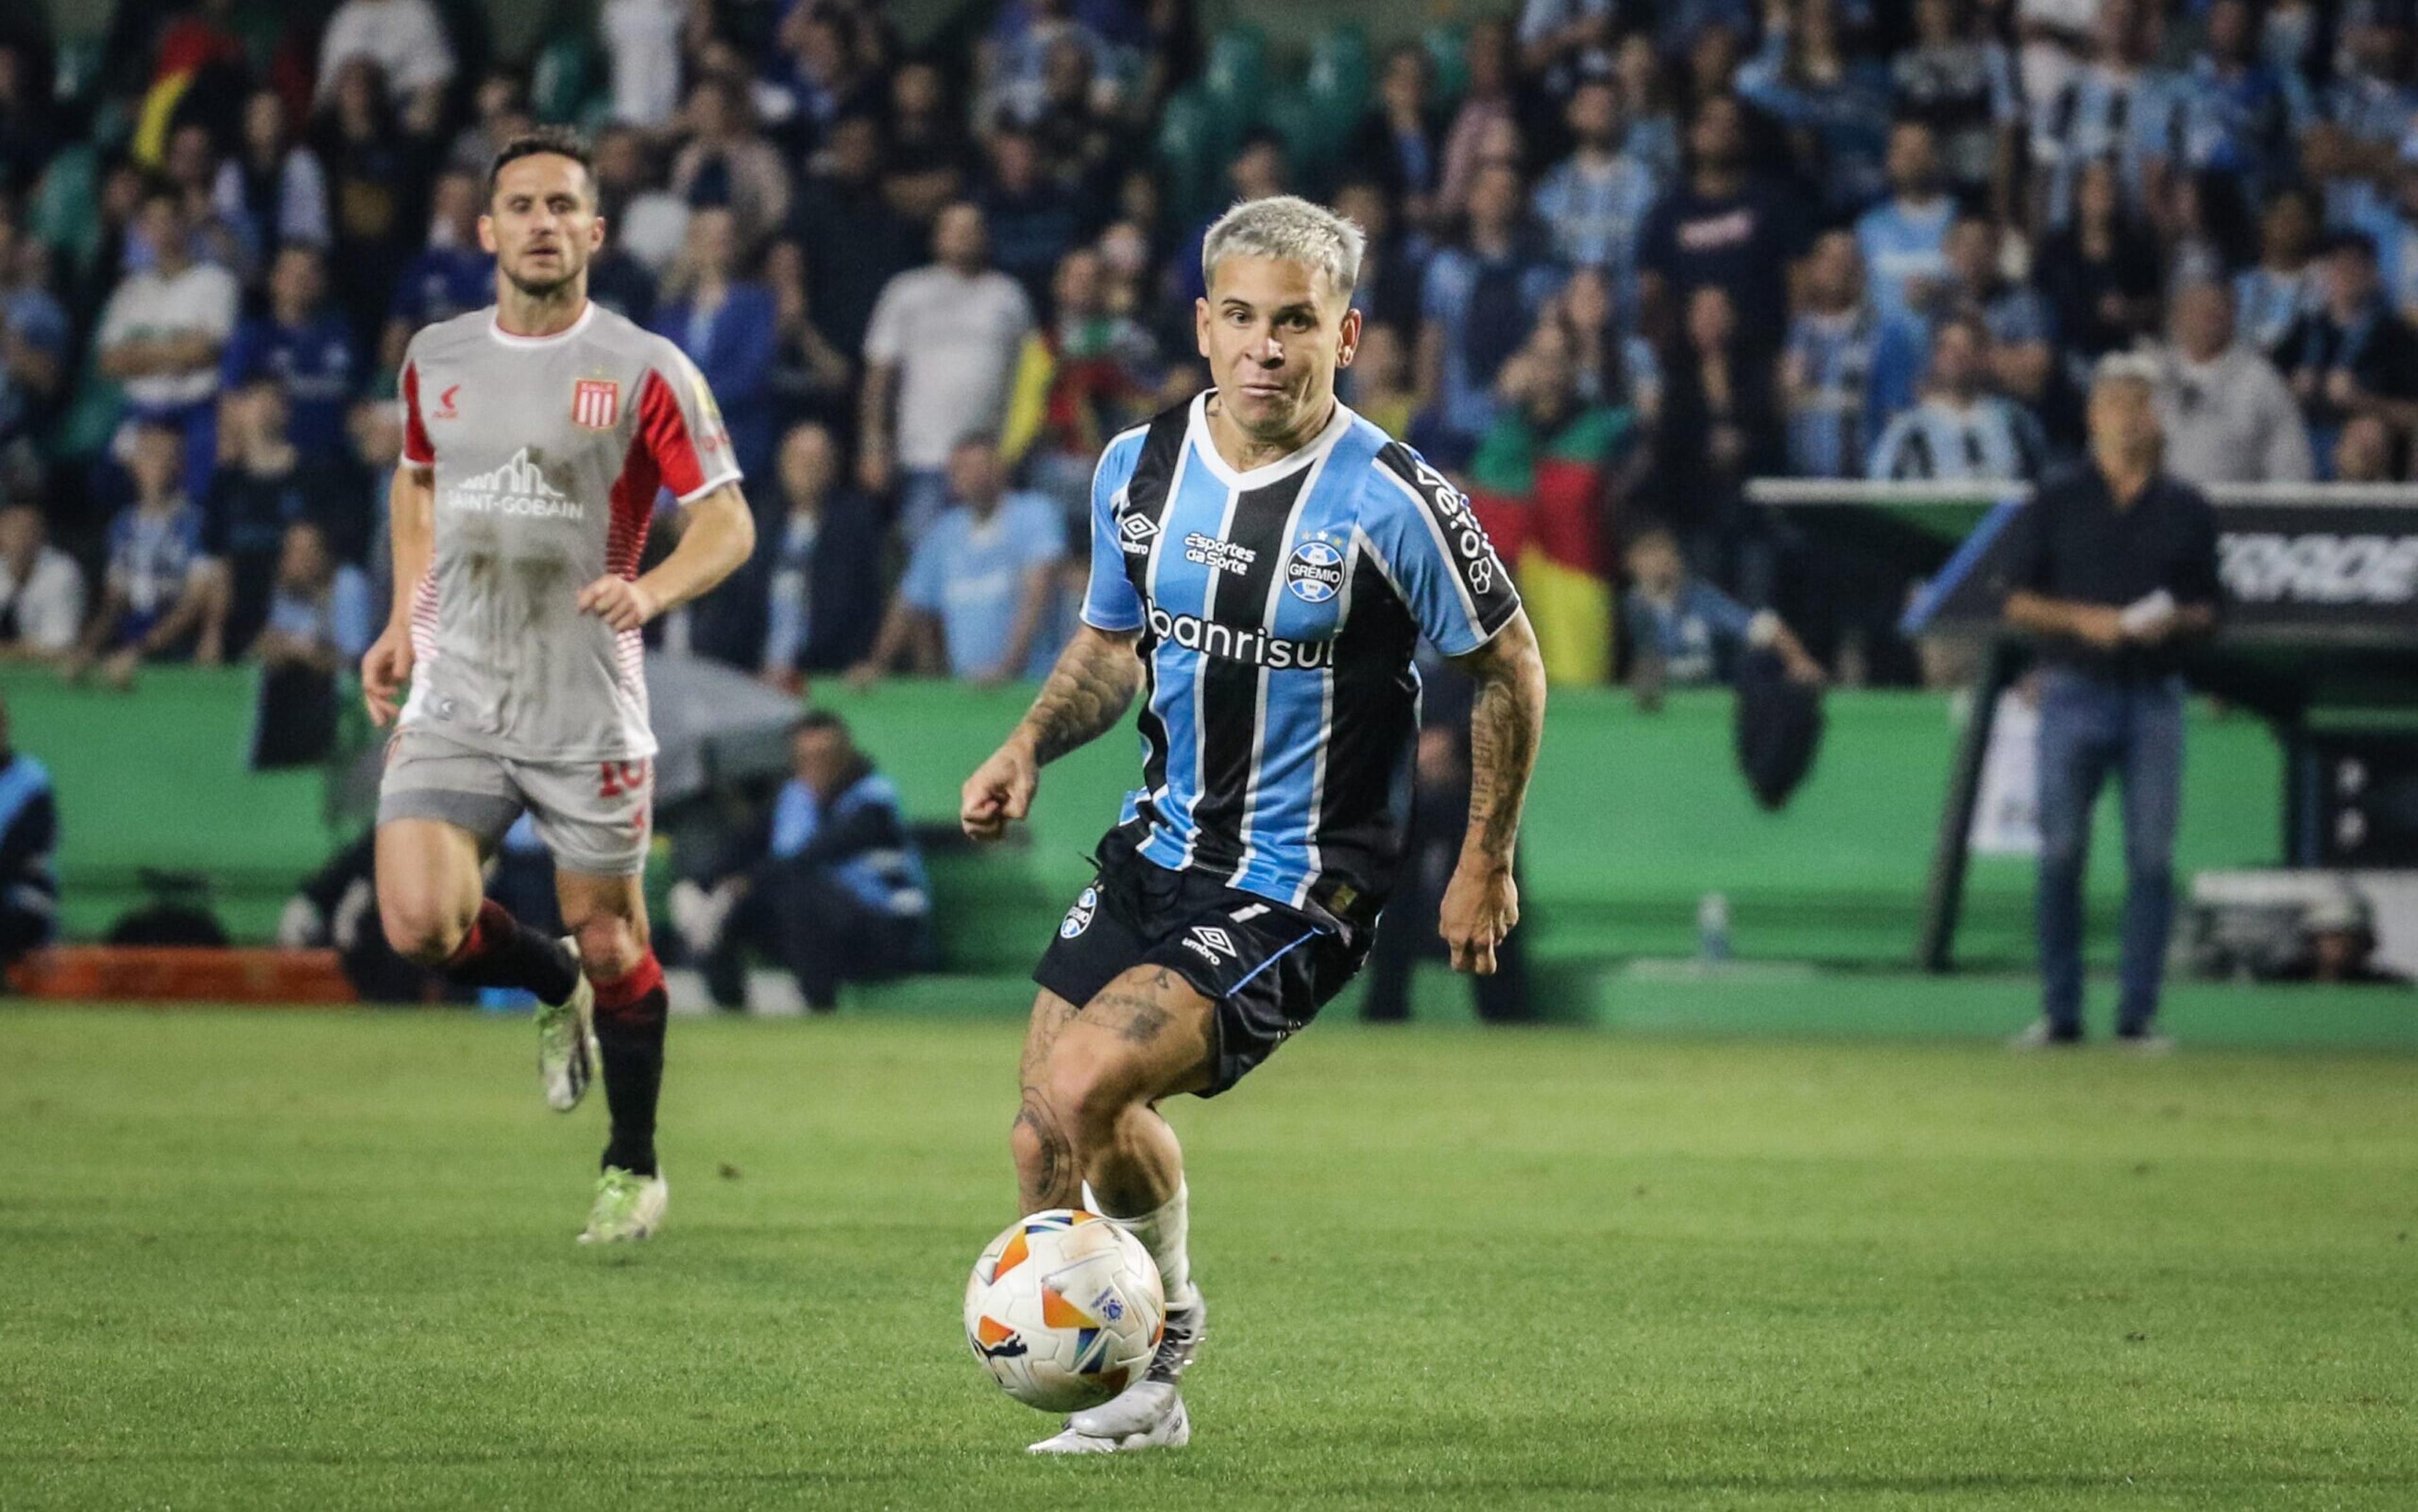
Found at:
[1634, 817]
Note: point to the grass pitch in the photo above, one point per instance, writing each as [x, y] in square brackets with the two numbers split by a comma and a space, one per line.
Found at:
[325, 1261]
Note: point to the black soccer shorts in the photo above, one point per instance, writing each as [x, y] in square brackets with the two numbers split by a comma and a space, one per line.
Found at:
[1268, 967]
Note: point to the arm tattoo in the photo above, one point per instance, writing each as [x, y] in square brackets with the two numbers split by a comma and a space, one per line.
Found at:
[1505, 725]
[1086, 694]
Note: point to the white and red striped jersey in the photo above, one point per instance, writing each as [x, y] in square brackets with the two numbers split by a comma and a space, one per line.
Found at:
[549, 454]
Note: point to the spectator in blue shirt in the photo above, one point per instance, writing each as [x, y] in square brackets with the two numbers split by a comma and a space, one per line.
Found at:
[1958, 80]
[2352, 126]
[1805, 78]
[827, 881]
[1594, 202]
[2228, 110]
[1849, 366]
[2023, 360]
[320, 610]
[1905, 237]
[35, 334]
[1685, 633]
[160, 596]
[452, 274]
[318, 624]
[984, 578]
[2389, 216]
[1481, 300]
[1960, 431]
[305, 344]
[2112, 109]
[730, 328]
[2271, 296]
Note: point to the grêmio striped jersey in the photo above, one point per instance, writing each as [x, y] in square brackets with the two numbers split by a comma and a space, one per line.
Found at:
[548, 453]
[1279, 610]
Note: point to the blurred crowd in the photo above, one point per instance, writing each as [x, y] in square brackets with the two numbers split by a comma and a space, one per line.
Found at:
[1624, 256]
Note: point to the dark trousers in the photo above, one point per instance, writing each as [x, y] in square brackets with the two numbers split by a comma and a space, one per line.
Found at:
[803, 920]
[23, 929]
[1407, 933]
[2091, 727]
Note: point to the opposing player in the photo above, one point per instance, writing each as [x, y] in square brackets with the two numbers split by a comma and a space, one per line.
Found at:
[1263, 563]
[537, 432]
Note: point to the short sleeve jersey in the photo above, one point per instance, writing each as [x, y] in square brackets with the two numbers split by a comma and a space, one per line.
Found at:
[1278, 611]
[549, 454]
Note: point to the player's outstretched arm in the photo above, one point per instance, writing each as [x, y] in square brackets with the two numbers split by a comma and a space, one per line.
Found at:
[1087, 693]
[1481, 903]
[411, 513]
[717, 534]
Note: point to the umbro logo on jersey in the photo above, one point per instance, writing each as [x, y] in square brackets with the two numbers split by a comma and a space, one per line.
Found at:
[595, 403]
[1134, 534]
[517, 488]
[1211, 944]
[1218, 556]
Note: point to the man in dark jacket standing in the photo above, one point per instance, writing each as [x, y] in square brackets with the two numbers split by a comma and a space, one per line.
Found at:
[2113, 568]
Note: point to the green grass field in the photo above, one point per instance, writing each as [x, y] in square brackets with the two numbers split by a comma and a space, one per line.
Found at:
[324, 1262]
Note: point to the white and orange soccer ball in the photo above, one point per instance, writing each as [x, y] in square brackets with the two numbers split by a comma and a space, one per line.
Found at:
[1064, 1310]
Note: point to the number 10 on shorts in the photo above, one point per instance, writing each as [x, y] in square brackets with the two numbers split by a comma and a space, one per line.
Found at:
[616, 778]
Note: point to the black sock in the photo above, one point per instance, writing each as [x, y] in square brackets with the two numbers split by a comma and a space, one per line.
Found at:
[500, 952]
[630, 1014]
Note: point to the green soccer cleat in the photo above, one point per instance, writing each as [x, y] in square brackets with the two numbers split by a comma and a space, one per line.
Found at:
[566, 1041]
[627, 1207]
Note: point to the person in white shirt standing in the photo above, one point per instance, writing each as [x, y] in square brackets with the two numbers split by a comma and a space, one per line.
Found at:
[406, 39]
[162, 332]
[2228, 415]
[946, 338]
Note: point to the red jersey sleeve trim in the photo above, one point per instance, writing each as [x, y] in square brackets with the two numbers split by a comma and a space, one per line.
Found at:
[664, 431]
[416, 448]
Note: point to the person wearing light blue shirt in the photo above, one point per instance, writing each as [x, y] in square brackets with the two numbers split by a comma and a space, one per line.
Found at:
[1594, 202]
[985, 575]
[1959, 433]
[2115, 108]
[1847, 367]
[1479, 301]
[1905, 237]
[2389, 218]
[2271, 296]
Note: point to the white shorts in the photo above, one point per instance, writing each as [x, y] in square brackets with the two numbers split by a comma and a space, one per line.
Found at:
[595, 817]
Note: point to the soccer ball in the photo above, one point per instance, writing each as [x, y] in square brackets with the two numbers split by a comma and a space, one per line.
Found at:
[1064, 1310]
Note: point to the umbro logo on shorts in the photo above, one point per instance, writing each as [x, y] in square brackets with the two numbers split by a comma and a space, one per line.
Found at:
[1213, 944]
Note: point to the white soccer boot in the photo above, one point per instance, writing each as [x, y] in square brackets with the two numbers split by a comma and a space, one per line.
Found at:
[1150, 1414]
[567, 1054]
[627, 1207]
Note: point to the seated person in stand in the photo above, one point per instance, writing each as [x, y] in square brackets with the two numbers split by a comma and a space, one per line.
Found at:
[827, 881]
[1690, 634]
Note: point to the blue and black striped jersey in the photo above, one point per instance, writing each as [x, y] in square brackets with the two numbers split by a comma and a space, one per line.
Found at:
[1279, 610]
